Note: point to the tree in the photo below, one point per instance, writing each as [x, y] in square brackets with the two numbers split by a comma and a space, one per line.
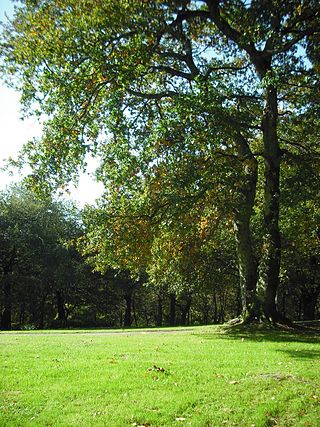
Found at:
[162, 87]
[34, 261]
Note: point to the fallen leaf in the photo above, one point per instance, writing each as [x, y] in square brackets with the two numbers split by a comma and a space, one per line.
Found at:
[233, 382]
[141, 425]
[156, 368]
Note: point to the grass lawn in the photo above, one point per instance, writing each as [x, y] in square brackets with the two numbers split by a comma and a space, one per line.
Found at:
[204, 376]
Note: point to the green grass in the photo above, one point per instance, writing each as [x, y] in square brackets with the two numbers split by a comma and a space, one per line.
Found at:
[209, 377]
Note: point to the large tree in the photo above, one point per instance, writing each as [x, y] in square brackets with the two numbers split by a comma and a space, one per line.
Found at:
[179, 99]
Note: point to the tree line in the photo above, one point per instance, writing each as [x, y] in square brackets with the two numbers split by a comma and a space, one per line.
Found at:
[204, 116]
[47, 283]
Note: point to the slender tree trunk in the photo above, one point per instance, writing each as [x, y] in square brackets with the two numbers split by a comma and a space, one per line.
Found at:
[6, 313]
[121, 318]
[127, 315]
[205, 313]
[271, 249]
[222, 300]
[135, 314]
[160, 310]
[284, 301]
[215, 308]
[146, 316]
[309, 303]
[22, 313]
[239, 301]
[38, 313]
[247, 263]
[62, 317]
[172, 315]
[247, 267]
[185, 310]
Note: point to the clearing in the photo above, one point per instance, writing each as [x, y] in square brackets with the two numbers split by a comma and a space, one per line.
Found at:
[202, 376]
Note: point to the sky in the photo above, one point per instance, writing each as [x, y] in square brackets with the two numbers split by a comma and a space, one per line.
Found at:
[14, 132]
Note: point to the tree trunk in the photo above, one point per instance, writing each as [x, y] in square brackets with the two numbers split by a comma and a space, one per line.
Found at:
[22, 313]
[284, 301]
[185, 310]
[6, 313]
[309, 303]
[247, 263]
[239, 302]
[160, 310]
[221, 317]
[62, 317]
[247, 267]
[205, 313]
[38, 313]
[127, 315]
[271, 249]
[135, 314]
[214, 308]
[172, 318]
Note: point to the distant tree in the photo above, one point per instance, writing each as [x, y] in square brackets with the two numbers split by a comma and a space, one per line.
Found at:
[33, 254]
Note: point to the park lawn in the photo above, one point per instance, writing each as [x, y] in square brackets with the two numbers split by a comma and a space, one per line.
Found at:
[204, 376]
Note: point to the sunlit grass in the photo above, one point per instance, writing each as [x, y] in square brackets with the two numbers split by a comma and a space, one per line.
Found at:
[201, 377]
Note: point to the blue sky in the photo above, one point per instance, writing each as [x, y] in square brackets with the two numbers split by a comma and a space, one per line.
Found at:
[14, 132]
[5, 6]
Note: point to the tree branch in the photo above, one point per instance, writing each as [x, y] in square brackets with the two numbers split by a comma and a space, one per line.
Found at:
[224, 68]
[227, 30]
[174, 72]
[156, 96]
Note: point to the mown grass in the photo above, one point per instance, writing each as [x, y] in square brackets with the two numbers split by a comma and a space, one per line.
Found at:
[199, 377]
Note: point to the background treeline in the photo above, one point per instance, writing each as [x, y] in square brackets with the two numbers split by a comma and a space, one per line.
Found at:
[46, 282]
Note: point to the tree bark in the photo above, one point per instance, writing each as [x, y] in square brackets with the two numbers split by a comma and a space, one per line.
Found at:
[62, 317]
[185, 308]
[38, 314]
[6, 313]
[309, 303]
[159, 310]
[214, 308]
[22, 313]
[135, 314]
[172, 314]
[271, 248]
[247, 263]
[127, 315]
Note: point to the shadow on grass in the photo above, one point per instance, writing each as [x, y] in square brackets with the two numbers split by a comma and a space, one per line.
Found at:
[259, 333]
[302, 354]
